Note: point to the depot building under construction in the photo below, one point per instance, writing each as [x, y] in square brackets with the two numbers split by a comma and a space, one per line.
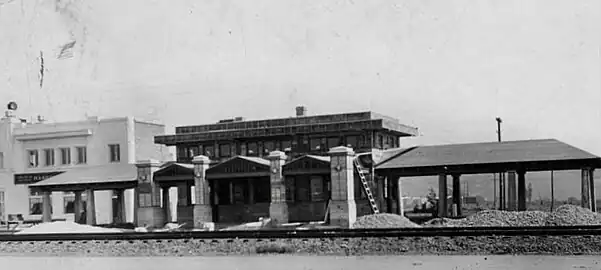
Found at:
[309, 168]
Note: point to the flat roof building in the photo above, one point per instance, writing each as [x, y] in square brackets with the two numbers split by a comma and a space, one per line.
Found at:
[34, 151]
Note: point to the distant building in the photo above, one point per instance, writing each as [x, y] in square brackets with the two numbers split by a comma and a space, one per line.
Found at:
[32, 152]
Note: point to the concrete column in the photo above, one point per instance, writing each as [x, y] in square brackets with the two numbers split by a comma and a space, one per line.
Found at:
[90, 207]
[442, 195]
[77, 206]
[46, 207]
[512, 198]
[588, 189]
[121, 213]
[278, 208]
[148, 196]
[400, 202]
[343, 209]
[167, 204]
[457, 195]
[203, 211]
[522, 191]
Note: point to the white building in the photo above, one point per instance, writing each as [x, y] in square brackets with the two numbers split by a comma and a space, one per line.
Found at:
[31, 152]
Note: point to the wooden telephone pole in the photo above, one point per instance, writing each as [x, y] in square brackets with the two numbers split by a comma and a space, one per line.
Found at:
[501, 174]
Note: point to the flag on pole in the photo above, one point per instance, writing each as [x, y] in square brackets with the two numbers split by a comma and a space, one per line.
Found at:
[66, 51]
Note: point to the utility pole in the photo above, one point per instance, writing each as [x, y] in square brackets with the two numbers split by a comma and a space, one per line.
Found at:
[501, 174]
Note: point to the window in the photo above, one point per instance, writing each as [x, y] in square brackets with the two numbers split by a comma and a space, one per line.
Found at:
[240, 191]
[352, 141]
[49, 157]
[317, 189]
[225, 150]
[65, 156]
[315, 144]
[36, 203]
[182, 152]
[33, 158]
[69, 203]
[380, 143]
[333, 142]
[82, 155]
[302, 189]
[253, 149]
[286, 146]
[1, 160]
[209, 151]
[115, 153]
[269, 147]
[145, 199]
[262, 190]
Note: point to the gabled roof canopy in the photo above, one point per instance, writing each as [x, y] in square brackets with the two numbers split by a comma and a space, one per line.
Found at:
[239, 167]
[473, 158]
[307, 164]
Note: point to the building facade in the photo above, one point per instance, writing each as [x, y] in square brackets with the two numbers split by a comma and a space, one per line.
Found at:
[239, 166]
[32, 152]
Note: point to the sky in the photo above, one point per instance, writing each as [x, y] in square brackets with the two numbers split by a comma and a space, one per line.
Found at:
[446, 67]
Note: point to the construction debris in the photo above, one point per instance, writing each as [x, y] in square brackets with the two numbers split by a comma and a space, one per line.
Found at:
[383, 220]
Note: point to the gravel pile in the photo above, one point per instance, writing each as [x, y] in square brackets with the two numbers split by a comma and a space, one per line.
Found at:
[565, 215]
[383, 220]
[570, 215]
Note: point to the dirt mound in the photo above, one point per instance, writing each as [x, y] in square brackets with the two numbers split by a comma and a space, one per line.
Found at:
[570, 215]
[383, 220]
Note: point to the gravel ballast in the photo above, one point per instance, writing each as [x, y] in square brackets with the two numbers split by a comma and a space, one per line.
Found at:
[485, 245]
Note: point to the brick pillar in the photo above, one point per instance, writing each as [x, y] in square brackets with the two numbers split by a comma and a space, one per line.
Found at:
[148, 196]
[588, 189]
[522, 191]
[46, 207]
[278, 208]
[203, 211]
[343, 210]
[512, 198]
[90, 207]
[457, 194]
[442, 195]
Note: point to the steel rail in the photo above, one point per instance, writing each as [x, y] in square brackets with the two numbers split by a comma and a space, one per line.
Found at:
[308, 234]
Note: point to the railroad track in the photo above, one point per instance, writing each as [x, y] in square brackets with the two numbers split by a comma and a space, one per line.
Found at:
[307, 234]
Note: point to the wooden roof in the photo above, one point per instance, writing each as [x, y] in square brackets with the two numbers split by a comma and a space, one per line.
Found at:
[530, 155]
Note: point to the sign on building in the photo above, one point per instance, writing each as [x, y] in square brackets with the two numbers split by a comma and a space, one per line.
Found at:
[31, 178]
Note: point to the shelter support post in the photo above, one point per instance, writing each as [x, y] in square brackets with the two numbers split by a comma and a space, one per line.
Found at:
[167, 204]
[278, 208]
[511, 191]
[400, 202]
[343, 209]
[457, 195]
[77, 207]
[90, 208]
[588, 189]
[46, 207]
[121, 204]
[522, 191]
[442, 195]
[203, 211]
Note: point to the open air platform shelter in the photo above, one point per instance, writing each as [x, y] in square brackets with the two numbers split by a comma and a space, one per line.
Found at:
[83, 182]
[516, 158]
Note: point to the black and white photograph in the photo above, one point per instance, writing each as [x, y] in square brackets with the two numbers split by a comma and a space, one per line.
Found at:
[300, 134]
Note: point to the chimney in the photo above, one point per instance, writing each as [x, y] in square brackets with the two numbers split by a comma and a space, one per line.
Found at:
[301, 111]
